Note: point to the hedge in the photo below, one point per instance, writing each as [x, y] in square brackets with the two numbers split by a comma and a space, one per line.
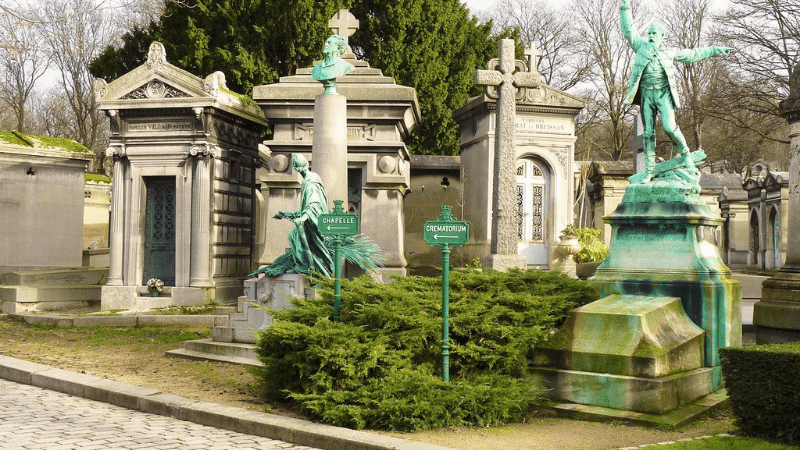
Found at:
[762, 383]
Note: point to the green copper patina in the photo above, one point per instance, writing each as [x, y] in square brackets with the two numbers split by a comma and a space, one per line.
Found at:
[307, 250]
[653, 87]
[333, 65]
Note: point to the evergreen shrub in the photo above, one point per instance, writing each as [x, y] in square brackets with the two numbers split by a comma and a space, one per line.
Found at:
[762, 384]
[379, 367]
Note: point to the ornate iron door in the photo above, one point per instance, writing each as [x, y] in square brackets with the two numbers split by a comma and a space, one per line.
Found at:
[532, 211]
[159, 242]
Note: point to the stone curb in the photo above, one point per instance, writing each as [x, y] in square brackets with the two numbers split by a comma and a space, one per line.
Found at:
[272, 426]
[199, 320]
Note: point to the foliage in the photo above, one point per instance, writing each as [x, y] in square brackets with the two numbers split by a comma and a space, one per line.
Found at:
[765, 401]
[431, 45]
[97, 178]
[592, 247]
[378, 366]
[726, 442]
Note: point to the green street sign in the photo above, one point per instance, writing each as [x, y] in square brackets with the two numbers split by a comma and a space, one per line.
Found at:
[453, 233]
[446, 230]
[338, 224]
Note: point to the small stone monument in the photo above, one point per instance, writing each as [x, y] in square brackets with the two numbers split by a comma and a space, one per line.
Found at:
[506, 75]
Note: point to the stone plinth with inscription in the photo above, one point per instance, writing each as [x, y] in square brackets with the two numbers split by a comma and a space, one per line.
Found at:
[539, 170]
[662, 249]
[184, 152]
[380, 116]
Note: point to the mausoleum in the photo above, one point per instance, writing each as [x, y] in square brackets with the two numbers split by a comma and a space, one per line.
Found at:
[185, 152]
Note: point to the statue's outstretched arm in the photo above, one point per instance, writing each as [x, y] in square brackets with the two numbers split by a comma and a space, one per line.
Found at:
[626, 25]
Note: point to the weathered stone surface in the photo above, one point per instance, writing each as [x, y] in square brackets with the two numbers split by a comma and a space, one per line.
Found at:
[644, 395]
[626, 335]
[668, 249]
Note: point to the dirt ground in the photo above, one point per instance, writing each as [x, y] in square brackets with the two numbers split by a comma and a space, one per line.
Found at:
[138, 358]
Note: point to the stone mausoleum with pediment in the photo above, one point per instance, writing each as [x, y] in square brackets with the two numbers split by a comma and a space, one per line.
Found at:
[544, 166]
[185, 153]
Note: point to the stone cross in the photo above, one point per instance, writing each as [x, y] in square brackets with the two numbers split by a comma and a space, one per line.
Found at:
[343, 23]
[504, 226]
[533, 54]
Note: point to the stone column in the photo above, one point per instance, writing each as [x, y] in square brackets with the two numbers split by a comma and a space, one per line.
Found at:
[329, 147]
[777, 315]
[200, 261]
[116, 229]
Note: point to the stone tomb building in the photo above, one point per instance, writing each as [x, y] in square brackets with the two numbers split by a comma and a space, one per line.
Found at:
[185, 153]
[380, 116]
[545, 168]
[767, 213]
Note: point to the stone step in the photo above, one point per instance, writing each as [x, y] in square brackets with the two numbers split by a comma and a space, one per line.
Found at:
[16, 299]
[208, 350]
[221, 348]
[57, 277]
[225, 310]
[188, 354]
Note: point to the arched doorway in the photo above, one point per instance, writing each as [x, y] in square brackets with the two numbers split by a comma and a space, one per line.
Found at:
[754, 239]
[533, 209]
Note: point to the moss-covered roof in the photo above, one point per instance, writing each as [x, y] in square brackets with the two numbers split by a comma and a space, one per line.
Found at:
[17, 138]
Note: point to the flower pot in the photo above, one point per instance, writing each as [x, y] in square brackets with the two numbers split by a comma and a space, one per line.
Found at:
[154, 293]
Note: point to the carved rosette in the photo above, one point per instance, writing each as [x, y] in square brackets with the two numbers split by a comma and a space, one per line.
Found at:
[155, 89]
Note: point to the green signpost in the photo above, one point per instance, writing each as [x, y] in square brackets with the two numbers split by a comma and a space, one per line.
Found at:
[445, 232]
[337, 224]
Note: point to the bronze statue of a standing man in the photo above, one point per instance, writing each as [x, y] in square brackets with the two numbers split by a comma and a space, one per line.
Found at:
[653, 86]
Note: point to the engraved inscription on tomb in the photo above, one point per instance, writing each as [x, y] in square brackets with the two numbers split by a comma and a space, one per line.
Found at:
[541, 125]
[148, 127]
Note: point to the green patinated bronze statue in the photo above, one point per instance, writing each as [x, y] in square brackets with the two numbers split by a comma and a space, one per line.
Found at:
[307, 250]
[653, 87]
[332, 66]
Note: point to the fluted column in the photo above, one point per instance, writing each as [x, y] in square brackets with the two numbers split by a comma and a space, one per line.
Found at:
[117, 235]
[200, 259]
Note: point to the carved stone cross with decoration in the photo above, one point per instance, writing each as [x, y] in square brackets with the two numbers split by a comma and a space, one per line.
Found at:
[533, 54]
[344, 24]
[507, 79]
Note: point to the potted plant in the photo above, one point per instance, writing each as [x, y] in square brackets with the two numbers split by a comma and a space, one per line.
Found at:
[154, 286]
[593, 251]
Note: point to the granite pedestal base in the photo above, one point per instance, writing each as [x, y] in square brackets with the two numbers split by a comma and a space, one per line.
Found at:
[263, 292]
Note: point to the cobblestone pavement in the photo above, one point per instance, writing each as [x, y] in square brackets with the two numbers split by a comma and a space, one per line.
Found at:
[35, 418]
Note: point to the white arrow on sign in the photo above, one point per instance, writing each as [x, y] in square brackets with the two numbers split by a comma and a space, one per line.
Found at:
[437, 236]
[337, 228]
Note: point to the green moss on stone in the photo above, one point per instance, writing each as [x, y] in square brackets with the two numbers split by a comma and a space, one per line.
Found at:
[243, 98]
[17, 138]
[98, 178]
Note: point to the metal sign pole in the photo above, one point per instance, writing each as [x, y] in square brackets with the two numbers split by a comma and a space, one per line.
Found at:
[337, 274]
[444, 232]
[337, 224]
[446, 312]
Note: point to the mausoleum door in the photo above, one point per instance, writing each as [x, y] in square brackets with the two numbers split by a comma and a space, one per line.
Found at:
[159, 241]
[532, 210]
[776, 239]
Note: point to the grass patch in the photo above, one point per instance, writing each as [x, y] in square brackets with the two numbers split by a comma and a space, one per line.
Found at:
[113, 336]
[727, 443]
